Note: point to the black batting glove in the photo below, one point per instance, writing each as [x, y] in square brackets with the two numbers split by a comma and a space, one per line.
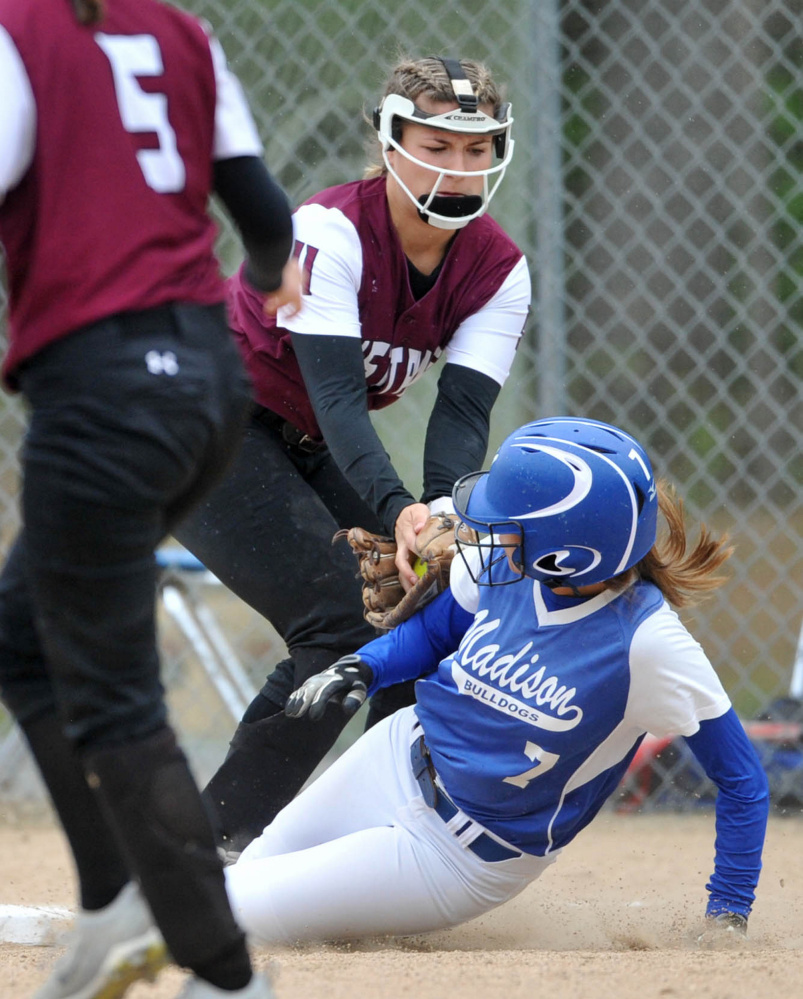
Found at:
[345, 683]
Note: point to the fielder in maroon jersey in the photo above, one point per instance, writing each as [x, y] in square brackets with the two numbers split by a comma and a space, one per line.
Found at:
[400, 270]
[117, 121]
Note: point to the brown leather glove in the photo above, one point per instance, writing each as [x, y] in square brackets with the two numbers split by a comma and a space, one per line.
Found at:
[384, 600]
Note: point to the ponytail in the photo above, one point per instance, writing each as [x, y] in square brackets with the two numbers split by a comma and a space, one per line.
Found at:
[683, 576]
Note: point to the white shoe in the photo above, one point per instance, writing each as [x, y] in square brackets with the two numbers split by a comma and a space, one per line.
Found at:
[257, 988]
[108, 950]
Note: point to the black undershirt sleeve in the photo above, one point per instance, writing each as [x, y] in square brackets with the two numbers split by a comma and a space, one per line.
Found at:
[334, 376]
[458, 428]
[260, 210]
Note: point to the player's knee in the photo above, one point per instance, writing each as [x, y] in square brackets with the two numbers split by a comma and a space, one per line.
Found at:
[148, 784]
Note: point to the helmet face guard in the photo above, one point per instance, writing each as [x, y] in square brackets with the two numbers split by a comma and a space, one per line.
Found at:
[446, 212]
[495, 567]
[578, 495]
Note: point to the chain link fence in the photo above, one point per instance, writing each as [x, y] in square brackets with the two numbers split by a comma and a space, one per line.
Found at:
[656, 191]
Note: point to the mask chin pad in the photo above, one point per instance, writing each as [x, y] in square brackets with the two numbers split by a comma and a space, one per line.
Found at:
[451, 206]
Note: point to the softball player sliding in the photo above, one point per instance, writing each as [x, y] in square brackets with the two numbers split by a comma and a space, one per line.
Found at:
[542, 668]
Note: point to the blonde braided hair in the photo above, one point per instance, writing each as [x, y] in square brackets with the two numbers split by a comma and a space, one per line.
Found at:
[413, 77]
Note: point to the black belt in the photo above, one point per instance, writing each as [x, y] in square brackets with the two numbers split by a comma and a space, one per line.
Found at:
[290, 434]
[484, 846]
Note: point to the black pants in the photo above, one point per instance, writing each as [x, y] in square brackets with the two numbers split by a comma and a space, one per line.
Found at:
[132, 420]
[266, 532]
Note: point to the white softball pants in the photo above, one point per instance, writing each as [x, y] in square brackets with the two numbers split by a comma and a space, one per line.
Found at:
[359, 853]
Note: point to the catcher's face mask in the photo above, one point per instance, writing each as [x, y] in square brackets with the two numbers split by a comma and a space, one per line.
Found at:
[467, 119]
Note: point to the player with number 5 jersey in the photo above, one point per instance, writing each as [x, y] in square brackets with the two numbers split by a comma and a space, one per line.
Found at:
[118, 119]
[542, 668]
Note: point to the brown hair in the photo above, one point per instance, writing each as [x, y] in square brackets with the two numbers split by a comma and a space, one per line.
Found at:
[413, 78]
[683, 576]
[89, 11]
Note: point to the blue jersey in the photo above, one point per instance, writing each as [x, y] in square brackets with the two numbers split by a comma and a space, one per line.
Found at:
[533, 720]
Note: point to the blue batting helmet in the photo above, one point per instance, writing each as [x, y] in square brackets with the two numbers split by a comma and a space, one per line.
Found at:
[579, 495]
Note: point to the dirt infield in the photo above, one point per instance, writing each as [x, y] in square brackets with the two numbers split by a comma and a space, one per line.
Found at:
[617, 916]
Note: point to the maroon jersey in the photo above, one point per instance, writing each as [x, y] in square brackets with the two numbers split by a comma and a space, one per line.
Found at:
[111, 214]
[357, 284]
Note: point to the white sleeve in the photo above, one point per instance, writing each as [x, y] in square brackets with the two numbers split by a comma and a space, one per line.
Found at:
[464, 589]
[331, 258]
[235, 131]
[17, 116]
[487, 341]
[673, 685]
[442, 504]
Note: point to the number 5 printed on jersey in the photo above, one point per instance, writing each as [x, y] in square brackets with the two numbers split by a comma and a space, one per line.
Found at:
[132, 56]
